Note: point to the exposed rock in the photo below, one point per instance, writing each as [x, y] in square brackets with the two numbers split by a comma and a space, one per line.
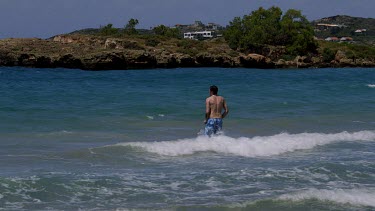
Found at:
[105, 61]
[344, 62]
[205, 60]
[364, 63]
[68, 61]
[44, 62]
[112, 43]
[316, 60]
[140, 60]
[302, 61]
[186, 60]
[166, 60]
[280, 63]
[101, 53]
[225, 61]
[256, 61]
[28, 60]
[7, 59]
[63, 39]
[340, 55]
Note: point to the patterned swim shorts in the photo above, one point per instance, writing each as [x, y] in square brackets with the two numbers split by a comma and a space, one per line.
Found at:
[213, 126]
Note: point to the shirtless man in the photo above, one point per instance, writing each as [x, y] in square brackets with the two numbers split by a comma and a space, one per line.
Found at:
[214, 112]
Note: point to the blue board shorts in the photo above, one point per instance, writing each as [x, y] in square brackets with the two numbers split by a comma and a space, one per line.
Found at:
[213, 126]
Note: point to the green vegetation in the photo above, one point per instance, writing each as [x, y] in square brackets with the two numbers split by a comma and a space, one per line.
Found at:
[167, 32]
[191, 47]
[270, 32]
[352, 51]
[328, 55]
[268, 27]
[108, 30]
[152, 41]
[130, 27]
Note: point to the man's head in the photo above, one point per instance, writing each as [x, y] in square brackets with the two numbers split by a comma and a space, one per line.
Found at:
[214, 90]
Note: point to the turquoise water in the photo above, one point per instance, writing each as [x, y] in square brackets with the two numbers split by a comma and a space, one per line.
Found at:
[294, 139]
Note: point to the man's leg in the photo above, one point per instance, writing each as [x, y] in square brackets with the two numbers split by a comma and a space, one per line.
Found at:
[218, 125]
[210, 127]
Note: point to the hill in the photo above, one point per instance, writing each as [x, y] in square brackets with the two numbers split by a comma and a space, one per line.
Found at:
[346, 26]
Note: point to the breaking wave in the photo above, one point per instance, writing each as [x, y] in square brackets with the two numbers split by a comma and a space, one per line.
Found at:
[361, 197]
[249, 147]
[371, 85]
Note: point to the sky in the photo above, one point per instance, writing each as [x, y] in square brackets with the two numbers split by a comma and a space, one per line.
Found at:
[46, 18]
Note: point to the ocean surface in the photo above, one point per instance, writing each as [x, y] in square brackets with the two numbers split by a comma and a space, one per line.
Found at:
[124, 140]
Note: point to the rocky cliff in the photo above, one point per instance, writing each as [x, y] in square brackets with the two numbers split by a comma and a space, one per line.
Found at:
[106, 53]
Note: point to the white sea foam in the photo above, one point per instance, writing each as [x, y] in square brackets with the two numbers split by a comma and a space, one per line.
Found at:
[361, 197]
[250, 147]
[371, 85]
[150, 117]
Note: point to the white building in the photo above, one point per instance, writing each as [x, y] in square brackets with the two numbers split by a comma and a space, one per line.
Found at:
[199, 35]
[360, 30]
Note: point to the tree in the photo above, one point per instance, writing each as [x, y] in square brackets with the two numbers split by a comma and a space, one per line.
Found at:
[298, 33]
[234, 33]
[261, 27]
[328, 55]
[108, 30]
[166, 31]
[130, 27]
[269, 27]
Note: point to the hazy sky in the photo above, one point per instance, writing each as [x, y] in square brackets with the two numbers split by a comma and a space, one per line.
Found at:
[45, 18]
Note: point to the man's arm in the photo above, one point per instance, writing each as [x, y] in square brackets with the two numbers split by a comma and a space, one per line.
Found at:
[226, 109]
[208, 111]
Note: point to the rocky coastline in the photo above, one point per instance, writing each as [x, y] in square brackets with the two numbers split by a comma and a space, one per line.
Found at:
[105, 53]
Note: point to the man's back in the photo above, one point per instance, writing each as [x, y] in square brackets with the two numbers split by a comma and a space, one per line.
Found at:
[216, 105]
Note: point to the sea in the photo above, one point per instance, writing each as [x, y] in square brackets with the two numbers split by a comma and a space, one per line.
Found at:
[296, 139]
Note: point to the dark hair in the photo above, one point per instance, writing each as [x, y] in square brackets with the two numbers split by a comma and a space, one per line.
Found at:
[214, 89]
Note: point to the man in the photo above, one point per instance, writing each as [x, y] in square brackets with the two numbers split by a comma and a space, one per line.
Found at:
[214, 112]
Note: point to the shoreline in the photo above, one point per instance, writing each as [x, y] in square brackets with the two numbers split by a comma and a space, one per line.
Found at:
[107, 53]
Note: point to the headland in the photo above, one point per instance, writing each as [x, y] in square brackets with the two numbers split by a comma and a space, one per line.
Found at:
[109, 48]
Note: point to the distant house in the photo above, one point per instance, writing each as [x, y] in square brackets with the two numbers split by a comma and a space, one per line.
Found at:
[360, 31]
[346, 39]
[212, 26]
[332, 39]
[199, 35]
[180, 26]
[197, 24]
[328, 27]
[325, 26]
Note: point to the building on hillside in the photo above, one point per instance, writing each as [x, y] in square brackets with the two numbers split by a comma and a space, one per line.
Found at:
[332, 39]
[179, 26]
[346, 39]
[199, 35]
[326, 26]
[198, 24]
[213, 26]
[360, 31]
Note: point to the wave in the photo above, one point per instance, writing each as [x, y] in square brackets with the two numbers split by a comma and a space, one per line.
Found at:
[361, 197]
[371, 85]
[249, 147]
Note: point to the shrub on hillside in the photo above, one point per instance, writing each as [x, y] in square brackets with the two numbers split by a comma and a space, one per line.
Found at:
[270, 27]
